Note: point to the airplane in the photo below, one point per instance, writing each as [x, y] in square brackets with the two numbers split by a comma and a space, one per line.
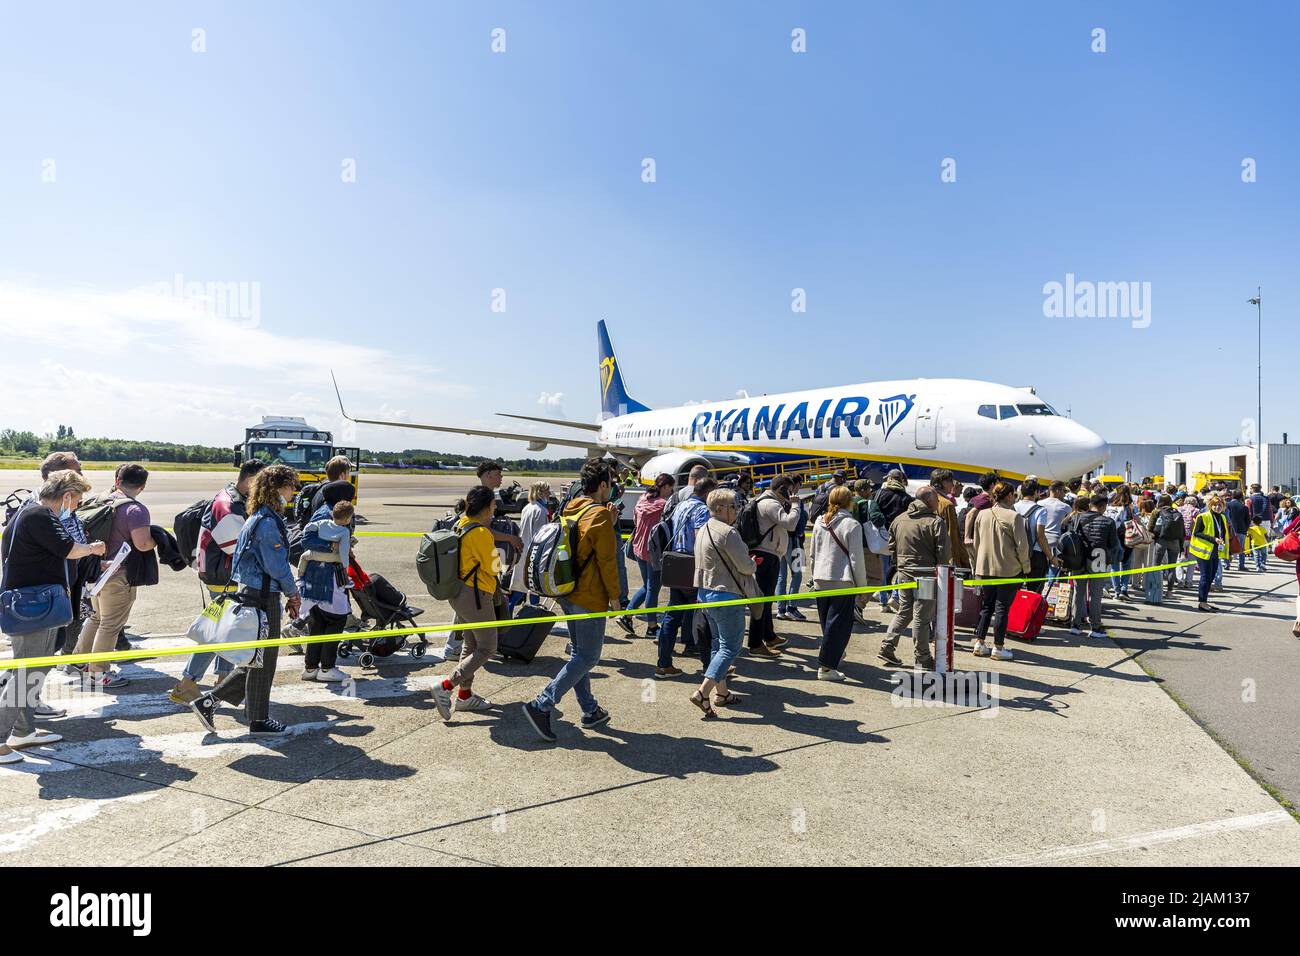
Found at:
[968, 427]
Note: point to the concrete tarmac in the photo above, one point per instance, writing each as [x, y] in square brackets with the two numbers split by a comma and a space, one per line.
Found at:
[1083, 760]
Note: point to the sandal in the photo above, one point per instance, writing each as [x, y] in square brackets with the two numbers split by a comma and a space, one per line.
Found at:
[702, 702]
[730, 700]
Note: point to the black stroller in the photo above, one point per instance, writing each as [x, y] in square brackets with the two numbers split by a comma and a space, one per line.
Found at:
[380, 606]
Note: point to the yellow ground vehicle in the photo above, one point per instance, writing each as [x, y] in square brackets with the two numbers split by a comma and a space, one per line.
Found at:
[1234, 480]
[1154, 482]
[1111, 481]
[285, 440]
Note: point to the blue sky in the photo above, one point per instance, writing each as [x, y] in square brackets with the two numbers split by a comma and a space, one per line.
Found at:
[521, 171]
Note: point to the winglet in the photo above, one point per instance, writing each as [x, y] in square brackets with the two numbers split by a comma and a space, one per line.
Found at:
[339, 396]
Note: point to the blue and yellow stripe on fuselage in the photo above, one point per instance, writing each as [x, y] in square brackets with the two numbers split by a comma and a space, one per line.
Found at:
[916, 469]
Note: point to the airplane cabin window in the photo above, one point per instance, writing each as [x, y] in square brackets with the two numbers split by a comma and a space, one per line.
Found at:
[988, 411]
[1006, 411]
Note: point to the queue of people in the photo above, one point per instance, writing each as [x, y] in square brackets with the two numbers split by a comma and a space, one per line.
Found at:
[736, 542]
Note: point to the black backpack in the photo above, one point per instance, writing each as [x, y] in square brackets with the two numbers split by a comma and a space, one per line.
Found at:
[748, 524]
[1072, 550]
[302, 504]
[660, 540]
[186, 527]
[821, 501]
[1170, 527]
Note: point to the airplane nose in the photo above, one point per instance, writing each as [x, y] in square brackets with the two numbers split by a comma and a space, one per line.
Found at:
[1076, 452]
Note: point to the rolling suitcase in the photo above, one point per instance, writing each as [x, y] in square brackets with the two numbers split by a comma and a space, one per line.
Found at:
[522, 641]
[1025, 619]
[969, 615]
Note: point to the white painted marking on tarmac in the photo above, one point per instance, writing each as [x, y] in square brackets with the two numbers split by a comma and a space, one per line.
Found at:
[197, 745]
[40, 825]
[1139, 840]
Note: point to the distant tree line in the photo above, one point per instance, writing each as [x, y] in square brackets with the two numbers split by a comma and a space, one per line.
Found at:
[22, 444]
[26, 444]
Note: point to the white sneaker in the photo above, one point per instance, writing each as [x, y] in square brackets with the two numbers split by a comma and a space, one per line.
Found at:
[330, 675]
[442, 700]
[1075, 631]
[472, 702]
[980, 649]
[1098, 634]
[12, 757]
[1001, 654]
[37, 738]
[48, 711]
[308, 673]
[824, 673]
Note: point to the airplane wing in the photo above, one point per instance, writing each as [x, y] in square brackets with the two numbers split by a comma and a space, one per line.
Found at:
[553, 421]
[568, 442]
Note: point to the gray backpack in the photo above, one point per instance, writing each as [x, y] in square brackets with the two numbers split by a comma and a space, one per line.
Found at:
[438, 562]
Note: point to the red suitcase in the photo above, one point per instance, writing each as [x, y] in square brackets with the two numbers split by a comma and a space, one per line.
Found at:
[1025, 619]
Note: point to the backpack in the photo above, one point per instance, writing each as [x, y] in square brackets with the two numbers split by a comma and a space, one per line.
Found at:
[552, 567]
[748, 524]
[438, 561]
[96, 516]
[186, 527]
[661, 536]
[15, 501]
[821, 501]
[1071, 550]
[1170, 527]
[302, 503]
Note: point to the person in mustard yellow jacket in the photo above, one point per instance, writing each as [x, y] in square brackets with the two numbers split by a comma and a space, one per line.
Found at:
[1208, 544]
[479, 566]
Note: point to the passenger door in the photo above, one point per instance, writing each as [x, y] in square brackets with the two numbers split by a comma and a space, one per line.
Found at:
[927, 427]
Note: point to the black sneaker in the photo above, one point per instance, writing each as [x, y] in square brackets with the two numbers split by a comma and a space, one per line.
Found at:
[889, 657]
[268, 727]
[625, 622]
[540, 720]
[596, 718]
[122, 643]
[205, 708]
[794, 615]
[652, 630]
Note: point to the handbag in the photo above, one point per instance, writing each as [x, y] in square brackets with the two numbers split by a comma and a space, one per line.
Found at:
[1136, 534]
[678, 570]
[877, 540]
[36, 607]
[231, 618]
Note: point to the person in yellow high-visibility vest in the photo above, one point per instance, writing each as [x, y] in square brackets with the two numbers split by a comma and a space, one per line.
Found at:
[1209, 546]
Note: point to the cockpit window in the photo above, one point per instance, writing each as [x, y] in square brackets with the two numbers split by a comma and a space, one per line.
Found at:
[1006, 411]
[989, 411]
[1036, 409]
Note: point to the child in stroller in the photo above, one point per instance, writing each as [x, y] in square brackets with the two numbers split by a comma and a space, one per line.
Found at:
[380, 606]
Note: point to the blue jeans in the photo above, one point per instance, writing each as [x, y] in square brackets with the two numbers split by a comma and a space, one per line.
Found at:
[648, 593]
[620, 558]
[791, 573]
[1120, 585]
[728, 631]
[1261, 559]
[587, 639]
[675, 621]
[199, 663]
[1210, 568]
[885, 566]
[517, 598]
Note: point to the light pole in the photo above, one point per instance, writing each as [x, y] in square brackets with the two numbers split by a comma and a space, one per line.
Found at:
[1259, 385]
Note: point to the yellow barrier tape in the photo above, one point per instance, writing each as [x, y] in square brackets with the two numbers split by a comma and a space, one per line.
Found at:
[144, 653]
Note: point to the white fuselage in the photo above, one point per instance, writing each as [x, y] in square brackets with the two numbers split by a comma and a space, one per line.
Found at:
[969, 427]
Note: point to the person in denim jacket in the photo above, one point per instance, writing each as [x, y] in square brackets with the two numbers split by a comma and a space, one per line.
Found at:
[261, 565]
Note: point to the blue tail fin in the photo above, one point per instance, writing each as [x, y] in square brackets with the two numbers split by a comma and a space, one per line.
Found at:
[614, 399]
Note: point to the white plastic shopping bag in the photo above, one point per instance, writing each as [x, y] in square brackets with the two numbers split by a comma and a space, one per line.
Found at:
[228, 622]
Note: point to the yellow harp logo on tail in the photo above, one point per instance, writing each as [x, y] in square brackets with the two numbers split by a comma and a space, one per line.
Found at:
[606, 375]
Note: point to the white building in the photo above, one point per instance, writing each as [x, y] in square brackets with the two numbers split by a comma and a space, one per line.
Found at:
[1281, 464]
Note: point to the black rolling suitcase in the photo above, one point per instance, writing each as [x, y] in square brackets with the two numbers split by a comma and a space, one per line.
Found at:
[522, 641]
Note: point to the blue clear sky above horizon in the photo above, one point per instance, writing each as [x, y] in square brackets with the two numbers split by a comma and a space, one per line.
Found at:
[522, 171]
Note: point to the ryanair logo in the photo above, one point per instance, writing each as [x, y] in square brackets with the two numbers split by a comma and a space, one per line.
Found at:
[606, 375]
[891, 411]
